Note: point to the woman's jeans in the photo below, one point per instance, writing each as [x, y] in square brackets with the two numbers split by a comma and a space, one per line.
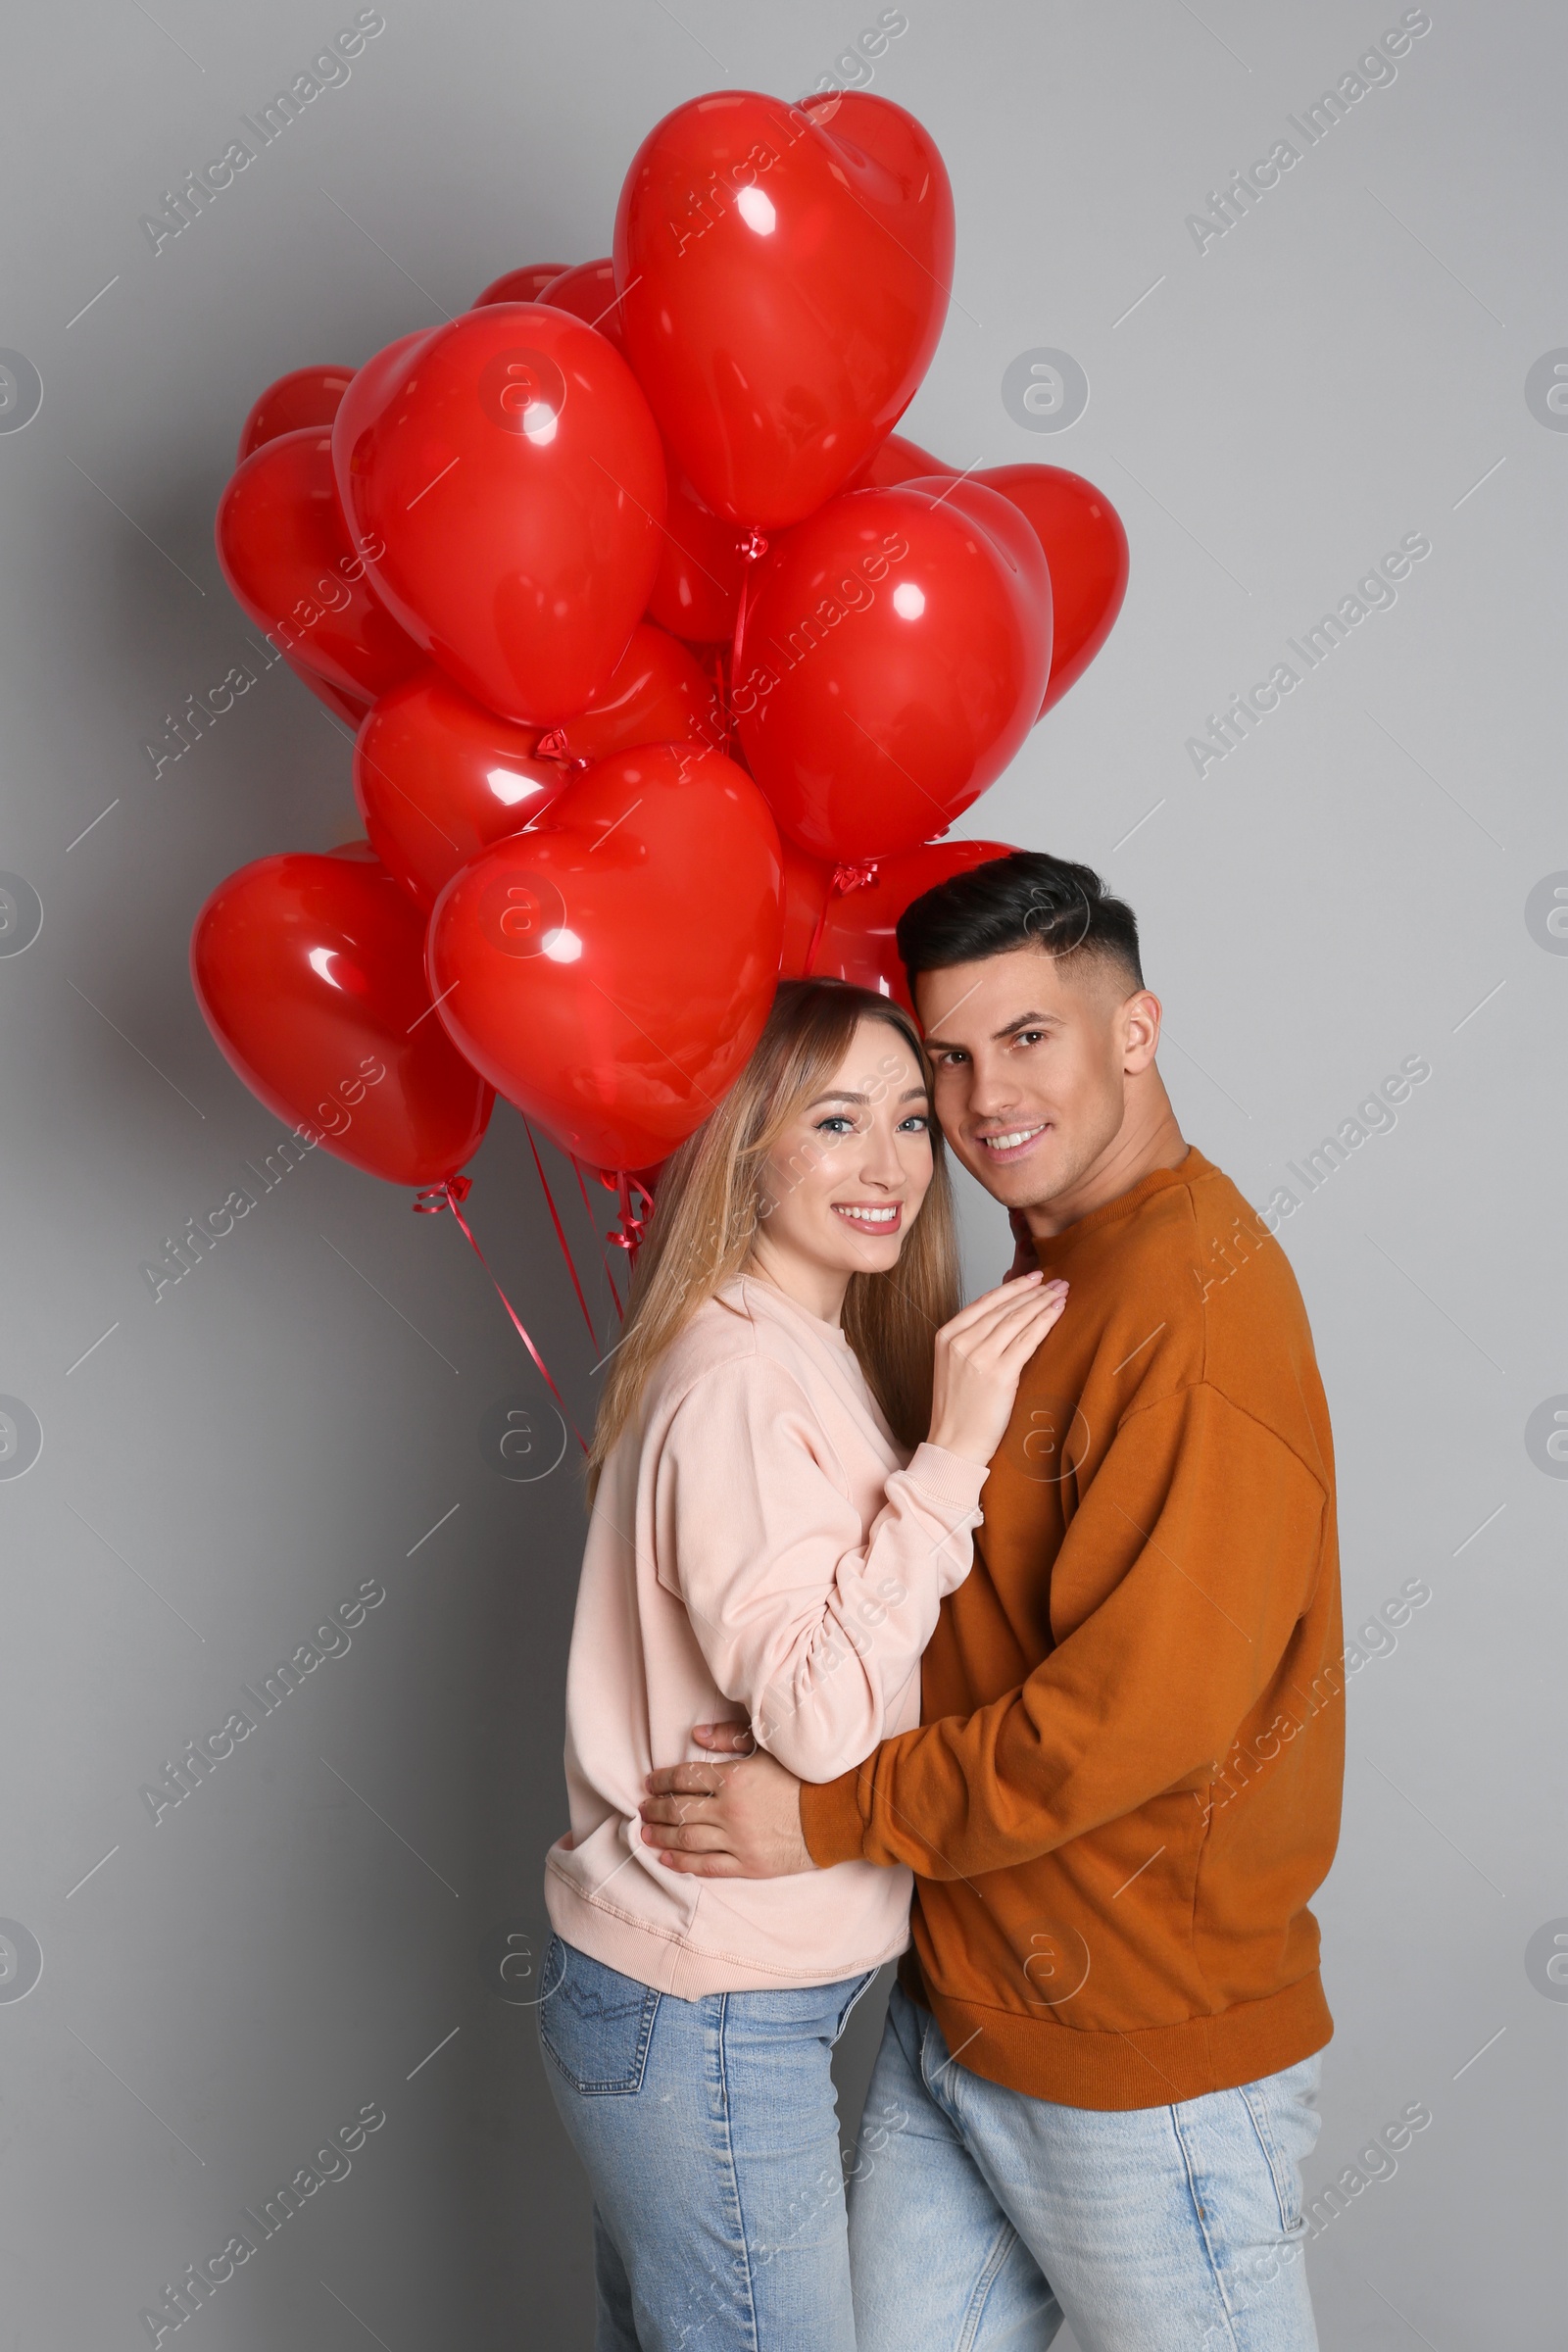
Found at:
[710, 2133]
[980, 2218]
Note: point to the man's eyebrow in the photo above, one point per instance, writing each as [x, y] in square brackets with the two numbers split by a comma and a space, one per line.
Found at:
[1024, 1021]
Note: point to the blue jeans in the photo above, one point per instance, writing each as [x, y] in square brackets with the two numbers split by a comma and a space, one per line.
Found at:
[708, 2131]
[981, 2219]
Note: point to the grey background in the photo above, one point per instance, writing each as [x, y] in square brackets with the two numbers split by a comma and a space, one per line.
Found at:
[1348, 888]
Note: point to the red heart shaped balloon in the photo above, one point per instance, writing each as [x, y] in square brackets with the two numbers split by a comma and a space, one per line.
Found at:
[511, 477]
[856, 941]
[1086, 549]
[697, 588]
[783, 276]
[351, 708]
[308, 396]
[518, 285]
[588, 292]
[900, 460]
[438, 778]
[658, 694]
[808, 882]
[285, 552]
[610, 968]
[894, 662]
[697, 591]
[310, 972]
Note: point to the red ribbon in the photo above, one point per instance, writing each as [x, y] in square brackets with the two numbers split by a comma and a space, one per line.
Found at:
[633, 1222]
[752, 549]
[450, 1195]
[552, 744]
[561, 1233]
[844, 879]
[620, 1312]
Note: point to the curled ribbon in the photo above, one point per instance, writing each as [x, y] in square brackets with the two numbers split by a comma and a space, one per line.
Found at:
[844, 879]
[552, 744]
[633, 1220]
[751, 550]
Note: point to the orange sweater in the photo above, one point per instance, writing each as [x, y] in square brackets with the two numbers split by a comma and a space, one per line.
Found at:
[1126, 1783]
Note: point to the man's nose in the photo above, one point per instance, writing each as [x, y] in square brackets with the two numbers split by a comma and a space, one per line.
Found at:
[992, 1092]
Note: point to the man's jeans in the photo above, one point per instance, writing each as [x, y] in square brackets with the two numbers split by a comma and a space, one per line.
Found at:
[709, 2135]
[981, 2219]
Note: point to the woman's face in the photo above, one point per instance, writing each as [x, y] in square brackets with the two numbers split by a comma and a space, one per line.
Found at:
[846, 1179]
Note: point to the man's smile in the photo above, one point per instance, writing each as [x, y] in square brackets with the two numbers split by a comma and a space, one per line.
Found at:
[1014, 1143]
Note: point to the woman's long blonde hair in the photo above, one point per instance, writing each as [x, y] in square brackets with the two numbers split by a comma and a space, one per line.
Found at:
[710, 1204]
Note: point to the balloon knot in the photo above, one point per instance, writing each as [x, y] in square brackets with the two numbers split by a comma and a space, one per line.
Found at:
[853, 878]
[754, 546]
[552, 744]
[434, 1198]
[633, 1217]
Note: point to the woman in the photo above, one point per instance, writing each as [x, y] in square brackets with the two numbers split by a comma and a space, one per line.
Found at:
[771, 1536]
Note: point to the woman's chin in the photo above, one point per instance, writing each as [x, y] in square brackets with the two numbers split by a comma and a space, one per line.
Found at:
[875, 1258]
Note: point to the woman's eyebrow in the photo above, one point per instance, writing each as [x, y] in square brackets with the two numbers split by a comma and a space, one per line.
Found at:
[837, 1094]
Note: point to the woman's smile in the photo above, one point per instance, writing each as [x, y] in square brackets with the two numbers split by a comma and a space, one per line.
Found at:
[882, 1217]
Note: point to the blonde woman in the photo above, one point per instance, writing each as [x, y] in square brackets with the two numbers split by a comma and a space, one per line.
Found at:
[786, 1477]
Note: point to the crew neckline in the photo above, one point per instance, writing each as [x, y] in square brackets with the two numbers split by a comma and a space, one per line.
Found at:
[1157, 1180]
[771, 1290]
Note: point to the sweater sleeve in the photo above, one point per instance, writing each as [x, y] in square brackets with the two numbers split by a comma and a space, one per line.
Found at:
[810, 1621]
[1198, 1543]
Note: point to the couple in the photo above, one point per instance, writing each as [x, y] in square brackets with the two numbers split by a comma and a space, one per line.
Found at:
[1032, 1610]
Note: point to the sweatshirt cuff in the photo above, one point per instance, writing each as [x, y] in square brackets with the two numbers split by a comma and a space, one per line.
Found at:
[830, 1820]
[951, 1478]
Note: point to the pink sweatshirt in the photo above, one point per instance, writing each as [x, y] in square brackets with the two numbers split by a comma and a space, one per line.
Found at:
[758, 1546]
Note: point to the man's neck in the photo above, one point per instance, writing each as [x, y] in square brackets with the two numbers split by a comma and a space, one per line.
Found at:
[1147, 1137]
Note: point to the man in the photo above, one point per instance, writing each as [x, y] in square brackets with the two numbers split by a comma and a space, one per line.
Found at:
[1099, 2073]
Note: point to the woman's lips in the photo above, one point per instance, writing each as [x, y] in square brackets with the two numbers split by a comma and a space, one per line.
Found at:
[869, 1216]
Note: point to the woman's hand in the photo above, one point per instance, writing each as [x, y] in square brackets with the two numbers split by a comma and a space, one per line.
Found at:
[979, 1357]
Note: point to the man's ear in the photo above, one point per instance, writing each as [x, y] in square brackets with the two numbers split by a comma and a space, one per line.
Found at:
[1140, 1016]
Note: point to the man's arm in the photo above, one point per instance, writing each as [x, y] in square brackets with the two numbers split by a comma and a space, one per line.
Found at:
[1184, 1571]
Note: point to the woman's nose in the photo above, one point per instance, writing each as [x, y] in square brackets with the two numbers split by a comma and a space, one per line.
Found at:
[879, 1161]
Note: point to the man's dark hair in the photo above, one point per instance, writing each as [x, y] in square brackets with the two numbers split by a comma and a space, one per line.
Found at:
[1026, 900]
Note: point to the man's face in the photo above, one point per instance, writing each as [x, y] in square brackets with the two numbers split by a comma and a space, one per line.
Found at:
[1032, 1057]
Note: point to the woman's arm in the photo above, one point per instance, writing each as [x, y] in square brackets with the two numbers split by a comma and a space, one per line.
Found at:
[806, 1619]
[812, 1621]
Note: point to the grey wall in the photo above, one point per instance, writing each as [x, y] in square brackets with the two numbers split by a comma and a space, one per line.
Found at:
[1348, 888]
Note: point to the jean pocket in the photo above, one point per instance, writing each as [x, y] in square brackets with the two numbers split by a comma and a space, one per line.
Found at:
[595, 2023]
[1284, 2113]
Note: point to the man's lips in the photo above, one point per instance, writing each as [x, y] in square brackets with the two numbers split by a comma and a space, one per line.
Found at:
[1012, 1142]
[870, 1216]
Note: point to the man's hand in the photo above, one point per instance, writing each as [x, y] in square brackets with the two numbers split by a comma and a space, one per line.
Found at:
[739, 1820]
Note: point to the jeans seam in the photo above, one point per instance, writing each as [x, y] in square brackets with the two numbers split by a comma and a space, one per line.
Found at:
[1006, 2235]
[848, 2010]
[1006, 2239]
[1272, 2156]
[1201, 2227]
[733, 2170]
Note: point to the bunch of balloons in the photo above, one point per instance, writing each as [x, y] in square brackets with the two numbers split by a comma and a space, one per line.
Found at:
[668, 661]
